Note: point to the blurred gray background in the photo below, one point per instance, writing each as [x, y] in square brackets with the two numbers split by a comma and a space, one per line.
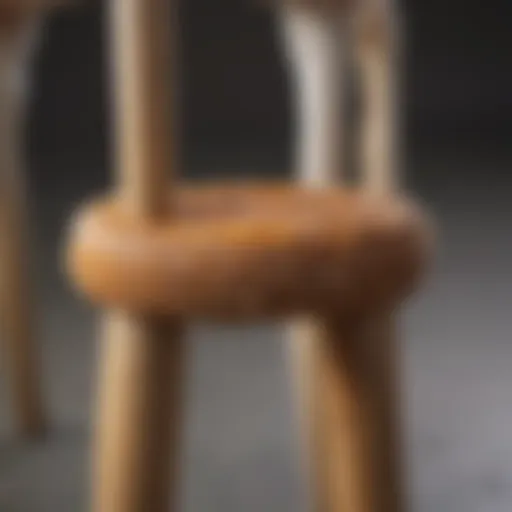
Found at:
[457, 345]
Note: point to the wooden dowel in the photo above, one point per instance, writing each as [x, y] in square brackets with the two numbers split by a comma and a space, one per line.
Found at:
[140, 389]
[17, 321]
[377, 47]
[142, 60]
[343, 376]
[357, 457]
[313, 47]
[17, 315]
[139, 415]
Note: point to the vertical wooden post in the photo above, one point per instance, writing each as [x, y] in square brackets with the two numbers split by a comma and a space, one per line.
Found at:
[376, 39]
[17, 321]
[143, 100]
[343, 374]
[313, 47]
[139, 414]
[15, 296]
[356, 433]
[140, 387]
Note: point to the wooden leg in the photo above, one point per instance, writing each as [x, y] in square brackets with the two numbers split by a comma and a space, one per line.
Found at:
[303, 334]
[314, 47]
[353, 418]
[15, 296]
[22, 363]
[376, 47]
[139, 414]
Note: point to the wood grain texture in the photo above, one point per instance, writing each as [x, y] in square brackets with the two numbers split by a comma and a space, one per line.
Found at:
[139, 416]
[264, 253]
[315, 57]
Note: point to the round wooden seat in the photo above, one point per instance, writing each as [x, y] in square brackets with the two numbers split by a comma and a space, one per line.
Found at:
[243, 252]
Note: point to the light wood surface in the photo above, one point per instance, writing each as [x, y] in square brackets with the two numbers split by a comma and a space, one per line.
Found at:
[355, 399]
[157, 246]
[266, 253]
[344, 399]
[377, 45]
[136, 453]
[313, 50]
[144, 101]
[137, 441]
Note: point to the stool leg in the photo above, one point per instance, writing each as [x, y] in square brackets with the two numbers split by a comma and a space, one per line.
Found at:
[139, 414]
[314, 48]
[377, 54]
[22, 361]
[354, 419]
[22, 364]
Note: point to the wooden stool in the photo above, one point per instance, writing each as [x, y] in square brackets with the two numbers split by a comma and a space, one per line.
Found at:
[19, 25]
[156, 255]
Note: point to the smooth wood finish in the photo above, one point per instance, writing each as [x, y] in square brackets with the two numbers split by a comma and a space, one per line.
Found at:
[343, 377]
[16, 298]
[356, 403]
[268, 253]
[350, 413]
[156, 248]
[376, 39]
[142, 61]
[314, 50]
[139, 414]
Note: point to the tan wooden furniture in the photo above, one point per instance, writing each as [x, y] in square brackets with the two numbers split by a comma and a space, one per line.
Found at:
[155, 255]
[19, 20]
[320, 39]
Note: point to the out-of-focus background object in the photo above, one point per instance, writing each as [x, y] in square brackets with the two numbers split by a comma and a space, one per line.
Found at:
[239, 450]
[19, 26]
